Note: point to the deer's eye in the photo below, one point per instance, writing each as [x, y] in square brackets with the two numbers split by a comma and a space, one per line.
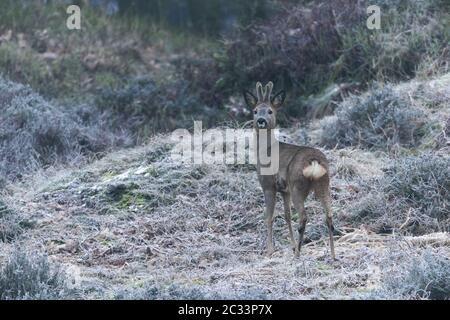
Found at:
[270, 111]
[255, 112]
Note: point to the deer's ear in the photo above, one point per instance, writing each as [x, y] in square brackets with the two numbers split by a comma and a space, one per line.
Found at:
[250, 99]
[278, 99]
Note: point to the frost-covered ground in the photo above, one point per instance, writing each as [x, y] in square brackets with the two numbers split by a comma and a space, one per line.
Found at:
[134, 224]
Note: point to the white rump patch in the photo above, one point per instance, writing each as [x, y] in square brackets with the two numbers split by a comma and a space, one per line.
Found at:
[314, 171]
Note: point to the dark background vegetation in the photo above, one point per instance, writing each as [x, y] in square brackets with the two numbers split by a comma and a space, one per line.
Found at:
[139, 68]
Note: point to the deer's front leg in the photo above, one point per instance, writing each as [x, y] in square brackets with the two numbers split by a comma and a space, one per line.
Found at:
[269, 197]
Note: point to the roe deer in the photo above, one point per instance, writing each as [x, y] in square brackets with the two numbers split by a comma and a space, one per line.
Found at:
[301, 169]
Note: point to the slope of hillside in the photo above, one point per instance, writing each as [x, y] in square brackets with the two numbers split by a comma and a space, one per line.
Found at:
[137, 225]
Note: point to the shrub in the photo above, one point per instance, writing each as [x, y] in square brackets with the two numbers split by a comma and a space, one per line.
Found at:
[412, 32]
[34, 133]
[202, 74]
[301, 41]
[12, 223]
[31, 277]
[380, 120]
[152, 291]
[309, 47]
[296, 44]
[423, 277]
[143, 107]
[442, 140]
[414, 195]
[9, 224]
[424, 181]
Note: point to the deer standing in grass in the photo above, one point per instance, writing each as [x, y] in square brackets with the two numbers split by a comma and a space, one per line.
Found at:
[301, 169]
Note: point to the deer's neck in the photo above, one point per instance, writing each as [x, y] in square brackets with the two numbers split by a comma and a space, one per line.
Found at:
[265, 140]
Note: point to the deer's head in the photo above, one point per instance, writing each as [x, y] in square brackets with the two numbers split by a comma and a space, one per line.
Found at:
[264, 106]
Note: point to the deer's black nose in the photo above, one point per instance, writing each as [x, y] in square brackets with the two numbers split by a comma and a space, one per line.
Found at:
[261, 122]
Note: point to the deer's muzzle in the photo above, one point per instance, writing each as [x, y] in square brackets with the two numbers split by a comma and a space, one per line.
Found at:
[261, 123]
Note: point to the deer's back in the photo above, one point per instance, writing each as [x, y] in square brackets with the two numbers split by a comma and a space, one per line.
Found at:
[294, 159]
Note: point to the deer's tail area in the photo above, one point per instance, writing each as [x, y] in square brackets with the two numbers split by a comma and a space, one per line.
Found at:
[314, 170]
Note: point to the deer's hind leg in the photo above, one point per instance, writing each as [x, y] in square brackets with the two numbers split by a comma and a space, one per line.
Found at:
[287, 214]
[322, 192]
[298, 198]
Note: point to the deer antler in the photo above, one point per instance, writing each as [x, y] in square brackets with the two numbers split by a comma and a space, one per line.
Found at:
[263, 94]
[259, 92]
[268, 91]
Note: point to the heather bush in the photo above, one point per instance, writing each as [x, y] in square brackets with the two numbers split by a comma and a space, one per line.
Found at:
[380, 120]
[419, 277]
[144, 107]
[412, 33]
[412, 197]
[34, 133]
[442, 140]
[298, 42]
[12, 223]
[9, 224]
[153, 291]
[424, 183]
[309, 47]
[27, 276]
